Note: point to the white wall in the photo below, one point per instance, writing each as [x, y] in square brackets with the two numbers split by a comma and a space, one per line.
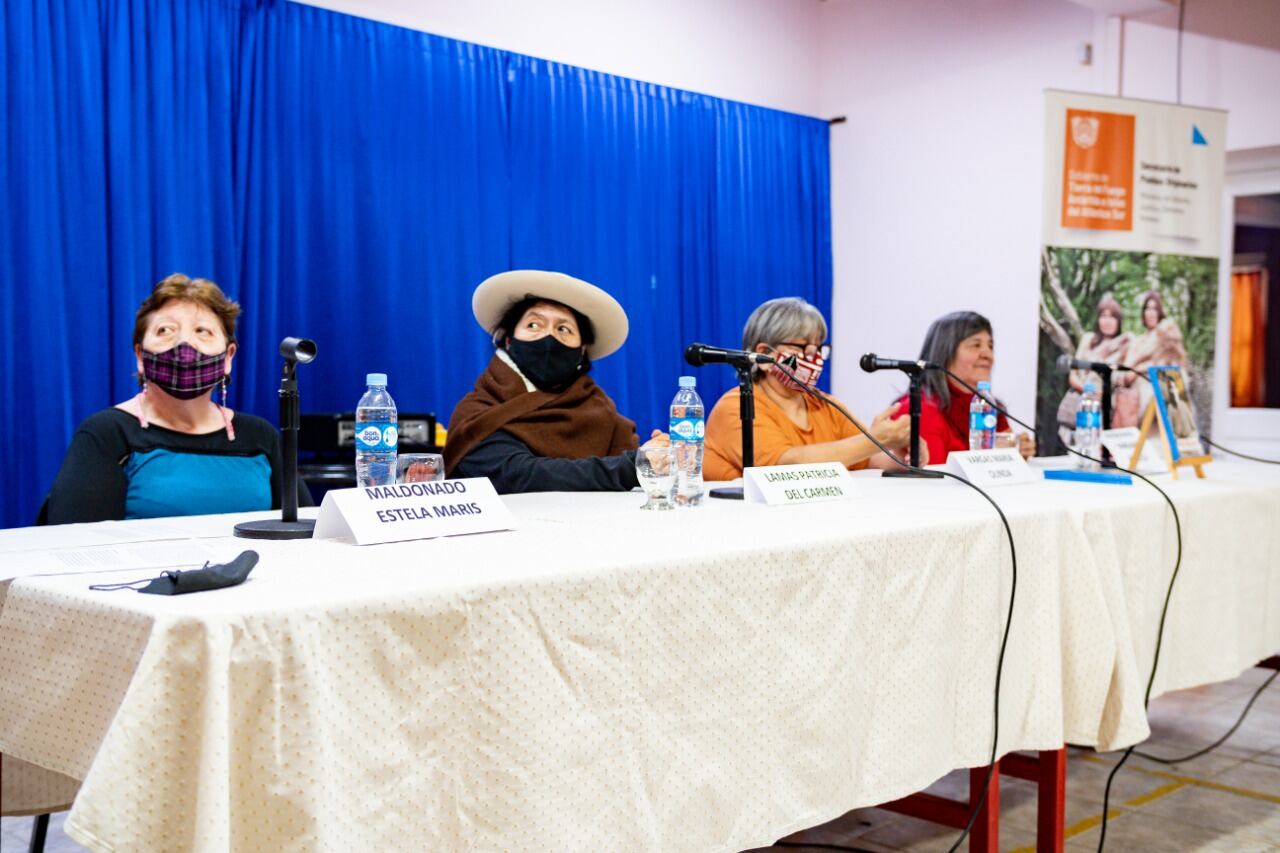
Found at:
[937, 175]
[1243, 79]
[758, 51]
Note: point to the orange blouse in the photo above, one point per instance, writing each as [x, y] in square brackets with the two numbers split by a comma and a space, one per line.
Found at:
[774, 433]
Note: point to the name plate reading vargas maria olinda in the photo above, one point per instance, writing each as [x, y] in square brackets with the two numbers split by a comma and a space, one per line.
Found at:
[376, 514]
[798, 484]
[1003, 466]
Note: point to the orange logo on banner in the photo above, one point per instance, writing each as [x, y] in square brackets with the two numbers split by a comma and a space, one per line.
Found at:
[1097, 171]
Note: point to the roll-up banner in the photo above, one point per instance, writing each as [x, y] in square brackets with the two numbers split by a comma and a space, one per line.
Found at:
[1129, 261]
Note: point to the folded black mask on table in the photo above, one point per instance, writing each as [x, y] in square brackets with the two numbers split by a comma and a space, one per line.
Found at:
[196, 580]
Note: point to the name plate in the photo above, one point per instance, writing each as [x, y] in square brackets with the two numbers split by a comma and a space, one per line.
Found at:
[1121, 442]
[798, 484]
[1003, 466]
[375, 514]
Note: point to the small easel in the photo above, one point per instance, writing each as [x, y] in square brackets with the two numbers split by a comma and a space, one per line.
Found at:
[1148, 421]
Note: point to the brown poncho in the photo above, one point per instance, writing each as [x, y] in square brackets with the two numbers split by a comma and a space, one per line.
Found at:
[576, 423]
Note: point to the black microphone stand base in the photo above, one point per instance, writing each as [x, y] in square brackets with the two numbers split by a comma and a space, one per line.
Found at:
[903, 472]
[727, 493]
[274, 528]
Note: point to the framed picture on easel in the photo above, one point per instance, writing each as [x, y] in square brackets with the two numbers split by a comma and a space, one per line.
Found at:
[1169, 386]
[1171, 404]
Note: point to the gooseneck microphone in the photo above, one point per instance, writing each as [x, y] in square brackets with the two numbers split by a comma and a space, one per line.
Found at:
[872, 362]
[1066, 362]
[700, 354]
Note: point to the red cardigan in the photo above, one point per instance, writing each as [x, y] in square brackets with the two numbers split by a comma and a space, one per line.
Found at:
[945, 431]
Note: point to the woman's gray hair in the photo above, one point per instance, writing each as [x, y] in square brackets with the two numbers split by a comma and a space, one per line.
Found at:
[788, 318]
[940, 345]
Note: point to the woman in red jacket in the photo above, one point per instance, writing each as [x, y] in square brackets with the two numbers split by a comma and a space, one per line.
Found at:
[962, 342]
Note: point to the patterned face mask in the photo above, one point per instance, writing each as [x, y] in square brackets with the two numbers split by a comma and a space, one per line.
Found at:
[183, 372]
[806, 370]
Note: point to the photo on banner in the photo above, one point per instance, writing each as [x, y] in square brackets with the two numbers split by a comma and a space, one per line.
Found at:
[1129, 261]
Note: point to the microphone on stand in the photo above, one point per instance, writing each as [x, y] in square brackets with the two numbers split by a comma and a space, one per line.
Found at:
[915, 370]
[1066, 362]
[872, 362]
[1104, 370]
[742, 362]
[700, 354]
[295, 351]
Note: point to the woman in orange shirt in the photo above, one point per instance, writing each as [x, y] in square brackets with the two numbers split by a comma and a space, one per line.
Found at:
[790, 426]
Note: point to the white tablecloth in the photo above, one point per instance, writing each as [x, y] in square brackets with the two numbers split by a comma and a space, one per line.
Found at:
[604, 678]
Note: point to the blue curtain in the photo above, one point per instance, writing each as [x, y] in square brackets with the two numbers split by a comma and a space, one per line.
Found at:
[352, 182]
[115, 169]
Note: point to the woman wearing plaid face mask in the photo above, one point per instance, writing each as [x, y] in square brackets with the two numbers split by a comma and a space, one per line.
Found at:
[790, 426]
[172, 449]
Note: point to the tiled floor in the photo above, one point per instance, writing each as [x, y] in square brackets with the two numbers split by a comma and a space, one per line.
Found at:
[1228, 800]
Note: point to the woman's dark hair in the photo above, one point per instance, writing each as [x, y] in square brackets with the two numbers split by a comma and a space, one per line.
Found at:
[1152, 296]
[940, 345]
[511, 319]
[1106, 305]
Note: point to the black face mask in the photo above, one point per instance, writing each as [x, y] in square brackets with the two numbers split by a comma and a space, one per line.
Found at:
[196, 580]
[549, 364]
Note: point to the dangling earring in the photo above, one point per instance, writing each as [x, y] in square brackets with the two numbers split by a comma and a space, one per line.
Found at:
[142, 410]
[226, 421]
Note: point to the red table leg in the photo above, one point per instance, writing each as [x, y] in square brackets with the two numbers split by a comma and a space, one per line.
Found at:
[985, 834]
[984, 837]
[1048, 770]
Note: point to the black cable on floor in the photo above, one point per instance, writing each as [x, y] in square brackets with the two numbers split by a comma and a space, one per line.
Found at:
[1220, 741]
[1013, 587]
[1164, 610]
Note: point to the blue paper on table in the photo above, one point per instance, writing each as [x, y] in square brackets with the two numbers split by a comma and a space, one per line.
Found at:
[1115, 478]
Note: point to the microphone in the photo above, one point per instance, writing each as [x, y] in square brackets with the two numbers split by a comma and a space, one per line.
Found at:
[1066, 362]
[700, 354]
[872, 362]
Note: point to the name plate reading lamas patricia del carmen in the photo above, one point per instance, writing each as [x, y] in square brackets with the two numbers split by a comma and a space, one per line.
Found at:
[1003, 466]
[798, 484]
[375, 514]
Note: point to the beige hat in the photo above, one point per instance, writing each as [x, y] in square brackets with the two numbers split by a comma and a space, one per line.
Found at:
[496, 294]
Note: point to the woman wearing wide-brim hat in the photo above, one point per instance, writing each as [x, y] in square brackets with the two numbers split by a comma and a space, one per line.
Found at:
[536, 422]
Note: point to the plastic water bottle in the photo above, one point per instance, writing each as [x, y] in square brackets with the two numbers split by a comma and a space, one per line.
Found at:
[982, 419]
[687, 431]
[1089, 426]
[377, 434]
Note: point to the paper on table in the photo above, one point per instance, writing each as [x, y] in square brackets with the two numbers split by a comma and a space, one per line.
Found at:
[121, 532]
[104, 558]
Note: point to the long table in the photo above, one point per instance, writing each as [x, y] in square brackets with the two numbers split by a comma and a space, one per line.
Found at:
[606, 678]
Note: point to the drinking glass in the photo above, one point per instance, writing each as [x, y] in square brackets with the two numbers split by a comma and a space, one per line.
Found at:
[419, 467]
[655, 469]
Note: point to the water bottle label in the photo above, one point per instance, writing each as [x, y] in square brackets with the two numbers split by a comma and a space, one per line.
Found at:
[688, 429]
[374, 436]
[1095, 420]
[1082, 419]
[982, 421]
